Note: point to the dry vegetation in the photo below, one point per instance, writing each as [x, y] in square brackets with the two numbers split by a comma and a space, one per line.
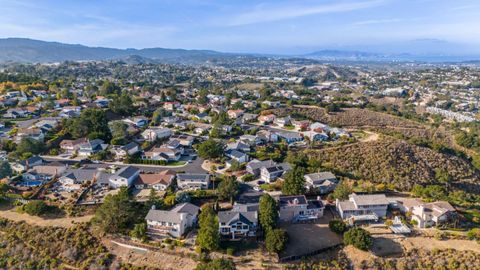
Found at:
[448, 259]
[23, 246]
[398, 162]
[359, 118]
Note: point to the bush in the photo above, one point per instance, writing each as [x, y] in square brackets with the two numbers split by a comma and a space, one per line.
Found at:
[248, 177]
[358, 238]
[474, 234]
[230, 251]
[35, 208]
[217, 264]
[337, 226]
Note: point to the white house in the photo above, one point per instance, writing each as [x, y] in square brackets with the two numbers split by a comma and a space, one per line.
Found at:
[124, 177]
[174, 223]
[297, 208]
[431, 214]
[370, 207]
[154, 133]
[234, 224]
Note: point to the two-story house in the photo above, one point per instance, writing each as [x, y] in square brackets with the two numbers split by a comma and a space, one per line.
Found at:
[432, 214]
[124, 177]
[193, 181]
[370, 207]
[175, 223]
[238, 224]
[323, 182]
[297, 208]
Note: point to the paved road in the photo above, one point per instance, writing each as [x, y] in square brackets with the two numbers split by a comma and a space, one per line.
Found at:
[194, 167]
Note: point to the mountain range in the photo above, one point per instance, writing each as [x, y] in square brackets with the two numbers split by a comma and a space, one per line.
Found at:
[35, 51]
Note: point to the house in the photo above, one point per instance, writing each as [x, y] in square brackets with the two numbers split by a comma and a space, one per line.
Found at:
[235, 113]
[267, 136]
[237, 155]
[74, 178]
[175, 223]
[370, 207]
[185, 140]
[163, 153]
[71, 146]
[238, 224]
[239, 146]
[254, 166]
[25, 165]
[33, 133]
[301, 124]
[91, 147]
[138, 121]
[193, 181]
[271, 104]
[157, 181]
[129, 149]
[248, 118]
[15, 113]
[324, 182]
[290, 137]
[282, 121]
[155, 133]
[271, 173]
[124, 177]
[266, 119]
[297, 208]
[171, 105]
[44, 172]
[433, 214]
[314, 136]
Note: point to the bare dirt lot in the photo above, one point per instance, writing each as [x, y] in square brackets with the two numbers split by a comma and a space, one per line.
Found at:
[307, 238]
[58, 222]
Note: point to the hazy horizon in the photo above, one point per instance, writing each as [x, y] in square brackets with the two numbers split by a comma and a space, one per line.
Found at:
[273, 27]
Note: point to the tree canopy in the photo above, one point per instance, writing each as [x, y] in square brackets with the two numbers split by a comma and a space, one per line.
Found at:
[294, 183]
[268, 213]
[276, 240]
[92, 123]
[208, 238]
[210, 149]
[358, 238]
[228, 188]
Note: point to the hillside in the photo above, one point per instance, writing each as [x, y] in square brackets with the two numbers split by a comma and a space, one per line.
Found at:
[32, 51]
[358, 118]
[397, 162]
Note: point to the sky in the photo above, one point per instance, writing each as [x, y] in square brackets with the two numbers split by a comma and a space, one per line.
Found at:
[269, 26]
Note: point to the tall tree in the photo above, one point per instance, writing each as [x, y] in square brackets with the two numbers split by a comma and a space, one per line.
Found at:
[276, 240]
[208, 238]
[122, 104]
[210, 149]
[5, 169]
[268, 213]
[294, 183]
[116, 214]
[228, 188]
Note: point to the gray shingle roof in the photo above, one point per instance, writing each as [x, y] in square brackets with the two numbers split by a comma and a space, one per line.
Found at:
[126, 172]
[230, 216]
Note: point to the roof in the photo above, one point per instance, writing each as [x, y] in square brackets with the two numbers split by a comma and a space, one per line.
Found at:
[235, 153]
[229, 216]
[186, 208]
[156, 178]
[129, 146]
[245, 207]
[202, 177]
[257, 164]
[292, 200]
[347, 205]
[369, 199]
[320, 176]
[81, 175]
[126, 172]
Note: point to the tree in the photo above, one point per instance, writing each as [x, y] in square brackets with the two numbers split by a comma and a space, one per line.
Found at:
[276, 240]
[294, 183]
[342, 190]
[139, 231]
[358, 238]
[29, 145]
[90, 122]
[109, 88]
[210, 149]
[217, 264]
[337, 226]
[228, 188]
[298, 159]
[116, 214]
[35, 208]
[208, 238]
[122, 104]
[119, 129]
[5, 169]
[267, 211]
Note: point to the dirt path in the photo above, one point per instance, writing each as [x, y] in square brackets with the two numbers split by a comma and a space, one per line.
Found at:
[372, 136]
[59, 222]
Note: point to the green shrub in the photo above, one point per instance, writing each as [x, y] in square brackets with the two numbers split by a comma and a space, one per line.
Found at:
[35, 208]
[337, 226]
[358, 238]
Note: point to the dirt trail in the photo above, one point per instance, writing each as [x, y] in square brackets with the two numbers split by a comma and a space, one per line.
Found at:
[65, 222]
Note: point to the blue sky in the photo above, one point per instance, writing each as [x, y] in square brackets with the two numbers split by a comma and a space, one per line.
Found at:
[270, 26]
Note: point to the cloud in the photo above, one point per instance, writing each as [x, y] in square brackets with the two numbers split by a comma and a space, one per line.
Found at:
[269, 14]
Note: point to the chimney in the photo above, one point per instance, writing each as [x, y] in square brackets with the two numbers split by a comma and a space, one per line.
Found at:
[295, 201]
[319, 198]
[153, 207]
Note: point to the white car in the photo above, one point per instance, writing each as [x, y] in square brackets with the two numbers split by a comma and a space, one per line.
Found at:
[257, 188]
